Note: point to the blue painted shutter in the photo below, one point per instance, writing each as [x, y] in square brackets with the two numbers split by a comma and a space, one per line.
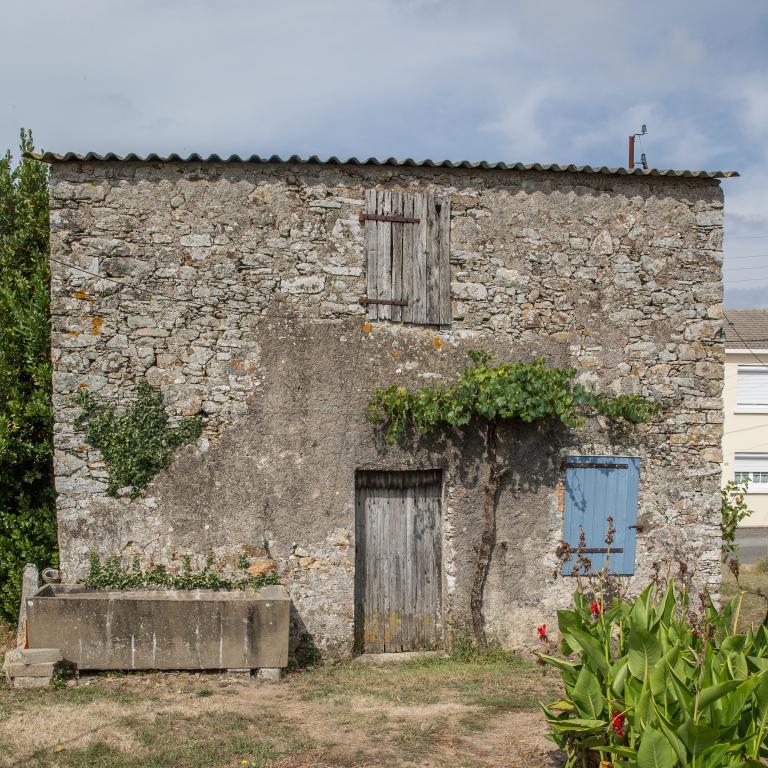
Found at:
[594, 493]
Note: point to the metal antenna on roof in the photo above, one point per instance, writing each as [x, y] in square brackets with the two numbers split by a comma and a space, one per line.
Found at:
[631, 164]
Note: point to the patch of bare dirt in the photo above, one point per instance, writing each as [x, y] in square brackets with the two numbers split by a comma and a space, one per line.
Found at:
[334, 730]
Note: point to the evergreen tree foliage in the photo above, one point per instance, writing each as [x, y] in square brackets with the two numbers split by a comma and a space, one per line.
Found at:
[27, 510]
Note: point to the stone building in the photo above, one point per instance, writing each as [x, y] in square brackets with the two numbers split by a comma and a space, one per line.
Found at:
[234, 286]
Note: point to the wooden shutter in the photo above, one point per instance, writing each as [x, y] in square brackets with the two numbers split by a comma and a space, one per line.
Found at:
[597, 487]
[408, 260]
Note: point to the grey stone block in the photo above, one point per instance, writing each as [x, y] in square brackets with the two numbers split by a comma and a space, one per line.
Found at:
[46, 669]
[239, 672]
[269, 673]
[41, 655]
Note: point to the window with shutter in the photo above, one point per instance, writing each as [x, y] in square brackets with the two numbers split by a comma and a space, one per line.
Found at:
[407, 257]
[598, 487]
[752, 390]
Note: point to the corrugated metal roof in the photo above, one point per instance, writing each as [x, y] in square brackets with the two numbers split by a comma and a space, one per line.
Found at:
[52, 157]
[745, 328]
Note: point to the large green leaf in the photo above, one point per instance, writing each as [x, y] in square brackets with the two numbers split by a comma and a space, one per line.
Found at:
[714, 692]
[660, 672]
[736, 702]
[673, 739]
[580, 725]
[639, 615]
[644, 652]
[697, 736]
[655, 750]
[618, 676]
[591, 647]
[587, 695]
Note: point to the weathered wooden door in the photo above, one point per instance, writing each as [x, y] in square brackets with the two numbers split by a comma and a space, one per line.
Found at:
[398, 557]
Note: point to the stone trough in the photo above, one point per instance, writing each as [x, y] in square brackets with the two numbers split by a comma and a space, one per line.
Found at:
[162, 629]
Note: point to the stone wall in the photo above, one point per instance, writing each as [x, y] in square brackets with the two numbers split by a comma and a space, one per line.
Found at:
[238, 295]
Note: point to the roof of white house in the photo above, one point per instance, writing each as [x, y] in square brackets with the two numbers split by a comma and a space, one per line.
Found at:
[746, 329]
[68, 157]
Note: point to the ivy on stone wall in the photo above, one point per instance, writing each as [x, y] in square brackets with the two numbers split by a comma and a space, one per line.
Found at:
[137, 443]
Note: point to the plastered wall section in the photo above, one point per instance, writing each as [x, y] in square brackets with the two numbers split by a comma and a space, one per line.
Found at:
[237, 294]
[743, 433]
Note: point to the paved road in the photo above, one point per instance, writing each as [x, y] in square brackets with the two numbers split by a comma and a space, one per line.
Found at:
[753, 544]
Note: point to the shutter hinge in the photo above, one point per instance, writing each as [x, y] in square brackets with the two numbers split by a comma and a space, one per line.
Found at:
[383, 217]
[365, 301]
[591, 465]
[598, 550]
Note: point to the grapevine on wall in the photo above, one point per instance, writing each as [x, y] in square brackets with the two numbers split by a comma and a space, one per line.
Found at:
[489, 394]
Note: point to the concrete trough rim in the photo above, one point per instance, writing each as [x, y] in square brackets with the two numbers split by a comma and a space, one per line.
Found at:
[80, 592]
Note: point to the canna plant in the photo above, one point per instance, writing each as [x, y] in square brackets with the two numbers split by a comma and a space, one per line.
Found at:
[650, 683]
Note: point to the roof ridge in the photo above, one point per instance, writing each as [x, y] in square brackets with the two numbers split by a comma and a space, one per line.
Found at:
[52, 157]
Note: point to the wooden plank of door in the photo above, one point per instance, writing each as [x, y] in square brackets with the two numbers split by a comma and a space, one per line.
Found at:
[409, 595]
[429, 568]
[373, 607]
[444, 263]
[371, 246]
[433, 264]
[397, 255]
[422, 608]
[386, 558]
[434, 565]
[396, 574]
[384, 254]
[383, 569]
[360, 568]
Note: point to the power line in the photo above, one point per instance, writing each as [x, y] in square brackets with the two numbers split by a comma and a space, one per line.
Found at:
[741, 338]
[744, 429]
[746, 267]
[747, 280]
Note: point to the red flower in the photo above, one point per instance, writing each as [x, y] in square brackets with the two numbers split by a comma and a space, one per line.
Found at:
[542, 630]
[596, 608]
[617, 721]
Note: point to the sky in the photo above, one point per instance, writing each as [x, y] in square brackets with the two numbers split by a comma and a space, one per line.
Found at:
[546, 81]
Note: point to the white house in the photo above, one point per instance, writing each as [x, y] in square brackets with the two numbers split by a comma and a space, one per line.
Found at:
[745, 405]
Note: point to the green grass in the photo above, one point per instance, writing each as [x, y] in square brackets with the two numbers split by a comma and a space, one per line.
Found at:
[431, 680]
